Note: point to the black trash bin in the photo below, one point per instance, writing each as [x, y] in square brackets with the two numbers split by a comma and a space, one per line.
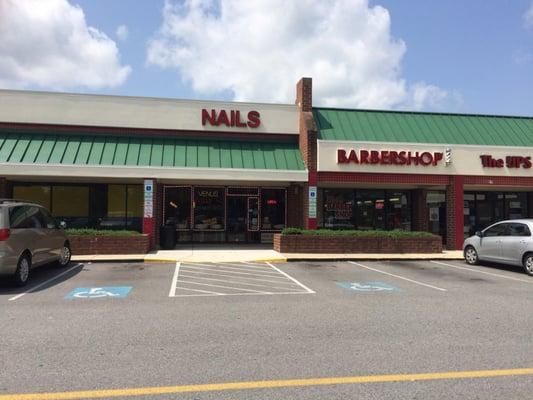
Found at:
[168, 236]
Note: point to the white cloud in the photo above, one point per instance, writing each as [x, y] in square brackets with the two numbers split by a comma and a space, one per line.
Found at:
[528, 16]
[47, 43]
[259, 49]
[122, 32]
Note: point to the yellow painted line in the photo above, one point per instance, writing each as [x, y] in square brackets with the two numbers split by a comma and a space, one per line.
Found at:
[217, 387]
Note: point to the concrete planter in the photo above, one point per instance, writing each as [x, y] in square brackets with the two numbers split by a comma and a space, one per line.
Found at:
[335, 244]
[96, 244]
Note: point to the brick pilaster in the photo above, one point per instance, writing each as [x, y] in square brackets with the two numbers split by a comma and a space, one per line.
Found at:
[420, 210]
[294, 206]
[307, 142]
[6, 188]
[455, 213]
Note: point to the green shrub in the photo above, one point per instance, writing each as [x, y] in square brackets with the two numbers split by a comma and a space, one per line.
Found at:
[99, 232]
[365, 233]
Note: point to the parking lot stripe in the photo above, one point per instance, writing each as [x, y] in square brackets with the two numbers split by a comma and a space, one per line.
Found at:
[244, 268]
[399, 277]
[239, 282]
[242, 277]
[483, 272]
[172, 291]
[18, 296]
[225, 287]
[198, 290]
[292, 279]
[216, 269]
[268, 384]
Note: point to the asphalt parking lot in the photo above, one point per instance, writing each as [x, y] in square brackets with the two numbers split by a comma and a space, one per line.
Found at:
[156, 328]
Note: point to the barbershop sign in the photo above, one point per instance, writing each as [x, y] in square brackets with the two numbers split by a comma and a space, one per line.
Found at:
[389, 157]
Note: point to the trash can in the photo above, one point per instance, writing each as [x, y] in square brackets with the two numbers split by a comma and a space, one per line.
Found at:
[167, 236]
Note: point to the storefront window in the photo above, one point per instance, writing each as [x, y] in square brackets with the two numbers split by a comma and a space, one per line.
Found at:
[37, 194]
[178, 207]
[209, 208]
[398, 210]
[71, 204]
[338, 208]
[370, 209]
[273, 209]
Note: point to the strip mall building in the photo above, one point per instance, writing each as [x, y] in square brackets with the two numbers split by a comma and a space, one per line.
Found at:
[238, 172]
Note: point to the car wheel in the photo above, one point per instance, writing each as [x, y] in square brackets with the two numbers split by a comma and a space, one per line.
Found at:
[528, 264]
[471, 256]
[64, 256]
[22, 274]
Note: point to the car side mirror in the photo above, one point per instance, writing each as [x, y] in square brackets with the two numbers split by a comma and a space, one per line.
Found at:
[62, 224]
[479, 233]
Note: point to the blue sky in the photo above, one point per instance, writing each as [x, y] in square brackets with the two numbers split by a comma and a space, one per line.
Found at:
[459, 56]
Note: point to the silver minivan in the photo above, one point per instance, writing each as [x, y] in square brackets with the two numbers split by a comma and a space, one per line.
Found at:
[29, 237]
[506, 242]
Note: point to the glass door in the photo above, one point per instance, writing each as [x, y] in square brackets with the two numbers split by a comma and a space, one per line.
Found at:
[237, 224]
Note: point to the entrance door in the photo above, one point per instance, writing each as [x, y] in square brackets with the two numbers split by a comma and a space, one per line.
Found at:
[243, 219]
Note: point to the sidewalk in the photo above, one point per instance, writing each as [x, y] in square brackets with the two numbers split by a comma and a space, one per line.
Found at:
[251, 253]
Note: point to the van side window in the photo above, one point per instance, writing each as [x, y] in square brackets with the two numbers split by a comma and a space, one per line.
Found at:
[18, 217]
[46, 219]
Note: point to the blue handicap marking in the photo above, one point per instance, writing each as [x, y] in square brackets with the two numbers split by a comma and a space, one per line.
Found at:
[114, 292]
[374, 286]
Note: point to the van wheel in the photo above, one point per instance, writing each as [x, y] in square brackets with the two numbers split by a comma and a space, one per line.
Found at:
[471, 256]
[528, 264]
[22, 274]
[64, 256]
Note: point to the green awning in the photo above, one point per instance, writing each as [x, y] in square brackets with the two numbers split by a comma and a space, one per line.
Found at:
[100, 150]
[419, 127]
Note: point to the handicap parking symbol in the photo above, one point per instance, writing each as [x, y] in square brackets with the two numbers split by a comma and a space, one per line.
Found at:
[374, 286]
[115, 292]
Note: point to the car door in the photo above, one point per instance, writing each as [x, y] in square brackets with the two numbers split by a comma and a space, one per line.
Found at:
[491, 242]
[41, 250]
[53, 238]
[515, 243]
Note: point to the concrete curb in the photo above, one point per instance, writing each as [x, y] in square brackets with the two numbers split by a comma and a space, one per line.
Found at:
[169, 260]
[295, 259]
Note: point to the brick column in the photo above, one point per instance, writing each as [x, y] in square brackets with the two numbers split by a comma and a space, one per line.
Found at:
[455, 213]
[294, 206]
[307, 142]
[150, 224]
[420, 210]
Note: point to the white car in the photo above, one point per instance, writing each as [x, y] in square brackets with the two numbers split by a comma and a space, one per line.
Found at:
[506, 242]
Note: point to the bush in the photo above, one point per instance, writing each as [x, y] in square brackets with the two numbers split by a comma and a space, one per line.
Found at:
[99, 232]
[365, 233]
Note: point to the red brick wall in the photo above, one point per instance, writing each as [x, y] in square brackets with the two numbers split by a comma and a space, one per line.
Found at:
[89, 245]
[346, 244]
[454, 213]
[420, 210]
[295, 206]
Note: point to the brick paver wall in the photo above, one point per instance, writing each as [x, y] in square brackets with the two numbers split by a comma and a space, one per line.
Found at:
[84, 245]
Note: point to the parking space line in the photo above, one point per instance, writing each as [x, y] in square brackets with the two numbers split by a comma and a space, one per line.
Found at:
[224, 287]
[246, 268]
[399, 277]
[240, 283]
[18, 296]
[241, 277]
[292, 279]
[482, 272]
[198, 290]
[174, 283]
[216, 269]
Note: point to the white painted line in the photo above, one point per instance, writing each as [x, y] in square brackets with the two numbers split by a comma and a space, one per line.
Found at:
[249, 269]
[198, 290]
[18, 296]
[231, 272]
[399, 277]
[238, 294]
[172, 291]
[235, 282]
[292, 279]
[483, 272]
[225, 287]
[284, 282]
